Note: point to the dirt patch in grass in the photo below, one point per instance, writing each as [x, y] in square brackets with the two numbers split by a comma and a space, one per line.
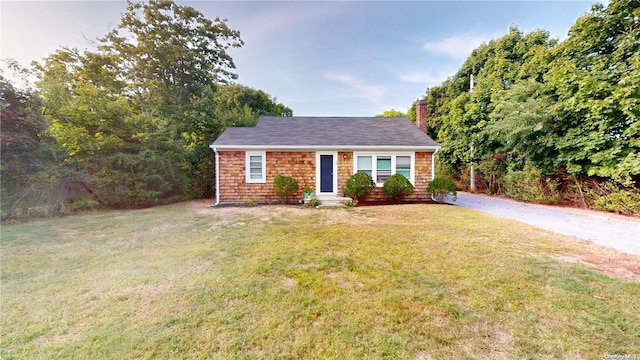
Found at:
[606, 260]
[603, 259]
[283, 212]
[259, 211]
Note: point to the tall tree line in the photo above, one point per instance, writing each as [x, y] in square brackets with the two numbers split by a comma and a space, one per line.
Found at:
[129, 123]
[549, 121]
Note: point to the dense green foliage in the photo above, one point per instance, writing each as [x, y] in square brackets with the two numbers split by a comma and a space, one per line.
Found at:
[132, 120]
[396, 187]
[569, 109]
[359, 185]
[607, 196]
[440, 188]
[284, 187]
[32, 180]
[391, 113]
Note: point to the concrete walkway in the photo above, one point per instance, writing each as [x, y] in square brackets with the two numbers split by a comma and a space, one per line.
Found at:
[604, 229]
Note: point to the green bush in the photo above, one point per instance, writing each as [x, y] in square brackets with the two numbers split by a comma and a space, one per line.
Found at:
[82, 203]
[284, 187]
[313, 202]
[440, 187]
[42, 195]
[359, 185]
[529, 185]
[396, 187]
[608, 196]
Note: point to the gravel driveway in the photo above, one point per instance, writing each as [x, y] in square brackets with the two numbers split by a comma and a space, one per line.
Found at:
[604, 229]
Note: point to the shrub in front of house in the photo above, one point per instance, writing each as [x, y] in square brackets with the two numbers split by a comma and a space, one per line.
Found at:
[396, 187]
[284, 187]
[313, 202]
[441, 187]
[359, 185]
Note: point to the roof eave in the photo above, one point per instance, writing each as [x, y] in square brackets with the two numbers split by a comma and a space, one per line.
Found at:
[326, 147]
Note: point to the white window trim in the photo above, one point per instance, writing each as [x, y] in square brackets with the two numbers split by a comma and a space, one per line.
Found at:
[247, 161]
[335, 172]
[393, 155]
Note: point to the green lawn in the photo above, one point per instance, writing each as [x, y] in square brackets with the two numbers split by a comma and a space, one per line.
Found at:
[397, 282]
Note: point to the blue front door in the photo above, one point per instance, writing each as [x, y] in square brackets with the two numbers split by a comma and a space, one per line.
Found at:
[326, 173]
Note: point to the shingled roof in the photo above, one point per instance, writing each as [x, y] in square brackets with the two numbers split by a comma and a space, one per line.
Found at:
[326, 132]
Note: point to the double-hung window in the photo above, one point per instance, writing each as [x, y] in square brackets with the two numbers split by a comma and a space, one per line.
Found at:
[255, 164]
[382, 165]
[383, 169]
[403, 166]
[364, 164]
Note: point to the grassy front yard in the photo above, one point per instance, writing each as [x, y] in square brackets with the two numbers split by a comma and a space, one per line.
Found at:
[411, 282]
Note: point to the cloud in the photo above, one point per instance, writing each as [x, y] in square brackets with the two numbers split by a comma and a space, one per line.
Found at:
[360, 89]
[457, 46]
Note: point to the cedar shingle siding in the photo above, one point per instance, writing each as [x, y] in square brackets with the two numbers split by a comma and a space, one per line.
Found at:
[301, 166]
[233, 186]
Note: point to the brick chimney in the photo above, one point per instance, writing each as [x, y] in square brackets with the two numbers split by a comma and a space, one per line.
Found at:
[421, 114]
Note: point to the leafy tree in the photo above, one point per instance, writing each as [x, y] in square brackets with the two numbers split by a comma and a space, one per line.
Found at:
[22, 128]
[521, 123]
[470, 125]
[231, 97]
[170, 52]
[547, 112]
[138, 114]
[172, 58]
[595, 75]
[411, 113]
[391, 113]
[28, 166]
[126, 157]
[436, 98]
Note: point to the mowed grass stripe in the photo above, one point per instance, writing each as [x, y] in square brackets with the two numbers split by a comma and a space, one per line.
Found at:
[415, 282]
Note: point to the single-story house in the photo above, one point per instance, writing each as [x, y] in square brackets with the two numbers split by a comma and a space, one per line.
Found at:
[322, 153]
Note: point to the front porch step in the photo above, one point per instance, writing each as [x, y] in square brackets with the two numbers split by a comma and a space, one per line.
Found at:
[333, 200]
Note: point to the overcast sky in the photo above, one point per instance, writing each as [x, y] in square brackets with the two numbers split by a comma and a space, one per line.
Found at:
[319, 58]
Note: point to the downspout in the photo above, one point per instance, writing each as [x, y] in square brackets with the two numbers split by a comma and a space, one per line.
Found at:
[433, 164]
[217, 175]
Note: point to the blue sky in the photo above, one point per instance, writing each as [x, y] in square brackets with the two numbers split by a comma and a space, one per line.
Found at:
[319, 58]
